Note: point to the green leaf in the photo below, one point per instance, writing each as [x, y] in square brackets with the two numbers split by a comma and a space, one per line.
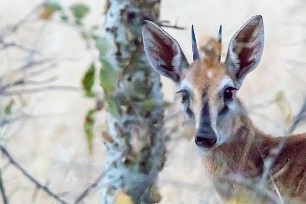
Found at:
[88, 81]
[64, 17]
[149, 105]
[139, 91]
[108, 77]
[101, 45]
[284, 105]
[53, 6]
[88, 128]
[8, 108]
[79, 11]
[49, 8]
[113, 107]
[279, 96]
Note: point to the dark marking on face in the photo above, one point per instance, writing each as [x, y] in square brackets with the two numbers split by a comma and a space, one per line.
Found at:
[205, 122]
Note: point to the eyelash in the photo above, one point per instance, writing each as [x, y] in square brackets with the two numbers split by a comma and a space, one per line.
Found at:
[185, 95]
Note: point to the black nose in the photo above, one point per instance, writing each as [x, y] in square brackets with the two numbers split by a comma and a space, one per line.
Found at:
[206, 141]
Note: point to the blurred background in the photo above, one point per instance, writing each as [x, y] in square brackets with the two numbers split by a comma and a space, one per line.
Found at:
[45, 133]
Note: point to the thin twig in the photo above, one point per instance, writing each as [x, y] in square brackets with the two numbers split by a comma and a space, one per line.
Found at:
[28, 176]
[14, 28]
[301, 116]
[31, 64]
[46, 61]
[2, 190]
[95, 183]
[34, 195]
[23, 82]
[29, 67]
[6, 45]
[269, 161]
[40, 89]
[248, 183]
[172, 26]
[90, 188]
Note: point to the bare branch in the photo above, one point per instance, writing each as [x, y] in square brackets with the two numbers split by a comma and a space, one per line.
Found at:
[300, 117]
[10, 29]
[259, 190]
[90, 188]
[28, 176]
[40, 89]
[34, 195]
[24, 82]
[5, 45]
[2, 190]
[96, 182]
[175, 26]
[28, 65]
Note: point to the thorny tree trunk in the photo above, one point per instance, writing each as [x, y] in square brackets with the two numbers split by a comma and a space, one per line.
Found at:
[137, 133]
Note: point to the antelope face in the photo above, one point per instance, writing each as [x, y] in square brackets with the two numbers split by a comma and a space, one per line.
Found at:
[209, 97]
[207, 86]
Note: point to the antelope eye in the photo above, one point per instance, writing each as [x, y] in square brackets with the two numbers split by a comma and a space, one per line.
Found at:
[229, 93]
[186, 101]
[185, 96]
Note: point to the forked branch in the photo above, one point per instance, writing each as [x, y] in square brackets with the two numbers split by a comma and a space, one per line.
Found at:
[29, 177]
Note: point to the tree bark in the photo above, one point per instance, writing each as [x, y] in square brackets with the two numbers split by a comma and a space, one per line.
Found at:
[136, 148]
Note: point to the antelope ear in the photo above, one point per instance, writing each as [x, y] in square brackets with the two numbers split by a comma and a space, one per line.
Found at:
[163, 51]
[245, 49]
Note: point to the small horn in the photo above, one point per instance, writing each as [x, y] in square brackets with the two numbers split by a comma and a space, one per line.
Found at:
[220, 34]
[195, 51]
[220, 41]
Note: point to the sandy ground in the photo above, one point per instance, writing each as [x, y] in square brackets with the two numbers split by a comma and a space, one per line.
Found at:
[49, 141]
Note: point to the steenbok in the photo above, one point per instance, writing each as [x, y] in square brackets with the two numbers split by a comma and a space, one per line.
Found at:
[244, 162]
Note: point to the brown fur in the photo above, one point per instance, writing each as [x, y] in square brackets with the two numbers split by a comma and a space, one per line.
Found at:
[244, 155]
[242, 160]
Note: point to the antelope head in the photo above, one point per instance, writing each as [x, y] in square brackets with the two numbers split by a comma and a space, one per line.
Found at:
[208, 86]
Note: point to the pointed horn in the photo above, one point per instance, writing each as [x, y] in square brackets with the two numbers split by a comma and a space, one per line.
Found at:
[220, 41]
[195, 51]
[220, 34]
